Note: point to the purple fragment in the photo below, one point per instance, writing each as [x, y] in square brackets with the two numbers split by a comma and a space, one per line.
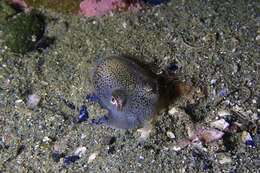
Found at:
[172, 67]
[207, 167]
[83, 114]
[222, 92]
[99, 121]
[56, 157]
[169, 72]
[92, 98]
[250, 143]
[71, 159]
[70, 105]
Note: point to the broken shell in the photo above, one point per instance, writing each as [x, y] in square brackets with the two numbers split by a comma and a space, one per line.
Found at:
[223, 113]
[224, 159]
[220, 124]
[246, 136]
[173, 111]
[182, 144]
[92, 157]
[33, 100]
[80, 150]
[209, 135]
[170, 134]
[257, 38]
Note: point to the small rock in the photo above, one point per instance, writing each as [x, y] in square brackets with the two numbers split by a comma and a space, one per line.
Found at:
[182, 144]
[234, 42]
[198, 144]
[257, 38]
[170, 134]
[224, 159]
[173, 111]
[220, 124]
[207, 135]
[108, 140]
[80, 150]
[46, 139]
[60, 146]
[111, 150]
[223, 113]
[145, 132]
[213, 81]
[92, 157]
[246, 136]
[33, 100]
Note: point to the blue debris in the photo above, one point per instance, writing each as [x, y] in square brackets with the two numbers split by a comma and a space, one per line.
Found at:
[250, 143]
[70, 105]
[71, 159]
[155, 2]
[68, 160]
[207, 167]
[213, 81]
[222, 92]
[92, 98]
[83, 114]
[56, 157]
[172, 67]
[195, 154]
[99, 121]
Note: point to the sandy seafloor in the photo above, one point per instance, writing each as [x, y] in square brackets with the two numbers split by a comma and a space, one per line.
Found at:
[215, 44]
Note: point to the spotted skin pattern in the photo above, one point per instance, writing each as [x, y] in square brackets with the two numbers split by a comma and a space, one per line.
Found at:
[126, 91]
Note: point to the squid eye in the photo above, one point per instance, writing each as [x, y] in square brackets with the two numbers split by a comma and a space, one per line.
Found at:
[113, 101]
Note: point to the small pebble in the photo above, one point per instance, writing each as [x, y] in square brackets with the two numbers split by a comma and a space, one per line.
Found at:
[170, 134]
[223, 113]
[173, 111]
[220, 124]
[213, 81]
[80, 150]
[99, 121]
[197, 143]
[246, 136]
[179, 146]
[92, 157]
[111, 150]
[108, 140]
[46, 139]
[33, 100]
[224, 159]
[205, 135]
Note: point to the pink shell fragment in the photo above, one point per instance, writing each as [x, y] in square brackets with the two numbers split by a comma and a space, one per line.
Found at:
[204, 135]
[89, 8]
[20, 3]
[209, 135]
